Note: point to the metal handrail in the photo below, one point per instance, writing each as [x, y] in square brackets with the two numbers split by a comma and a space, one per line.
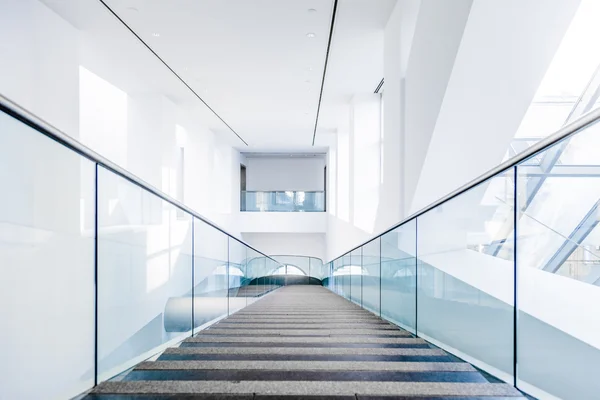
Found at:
[283, 191]
[565, 132]
[16, 111]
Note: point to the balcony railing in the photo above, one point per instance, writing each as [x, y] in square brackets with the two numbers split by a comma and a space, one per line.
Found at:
[283, 201]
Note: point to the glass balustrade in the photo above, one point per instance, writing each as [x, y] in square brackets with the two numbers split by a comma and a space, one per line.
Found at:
[283, 201]
[504, 273]
[100, 271]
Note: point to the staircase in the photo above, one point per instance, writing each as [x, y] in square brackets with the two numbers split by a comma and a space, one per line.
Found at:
[304, 342]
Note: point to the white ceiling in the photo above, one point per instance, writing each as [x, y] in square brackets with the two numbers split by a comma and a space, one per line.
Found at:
[250, 60]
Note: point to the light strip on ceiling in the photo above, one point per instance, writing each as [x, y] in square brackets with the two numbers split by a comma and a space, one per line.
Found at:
[171, 69]
[333, 13]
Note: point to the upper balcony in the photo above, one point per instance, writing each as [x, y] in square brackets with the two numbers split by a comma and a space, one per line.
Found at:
[283, 201]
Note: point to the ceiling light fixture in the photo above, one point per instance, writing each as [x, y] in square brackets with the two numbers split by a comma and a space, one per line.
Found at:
[312, 11]
[310, 35]
[155, 34]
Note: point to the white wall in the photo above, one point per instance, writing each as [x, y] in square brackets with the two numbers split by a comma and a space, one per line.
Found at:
[458, 81]
[296, 244]
[88, 76]
[277, 174]
[284, 222]
[84, 73]
[495, 74]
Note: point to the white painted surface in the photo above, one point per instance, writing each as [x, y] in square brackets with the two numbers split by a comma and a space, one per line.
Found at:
[297, 244]
[74, 65]
[253, 69]
[437, 36]
[283, 222]
[366, 142]
[391, 174]
[493, 79]
[281, 174]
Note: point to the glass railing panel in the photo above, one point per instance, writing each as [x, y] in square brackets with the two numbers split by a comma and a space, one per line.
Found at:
[466, 296]
[317, 268]
[356, 276]
[300, 265]
[558, 341]
[342, 277]
[211, 282]
[327, 281]
[47, 266]
[399, 275]
[251, 271]
[371, 278]
[335, 275]
[292, 265]
[333, 279]
[283, 201]
[238, 281]
[144, 274]
[257, 269]
[271, 266]
[347, 274]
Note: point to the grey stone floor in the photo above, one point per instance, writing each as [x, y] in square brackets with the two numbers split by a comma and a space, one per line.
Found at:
[304, 342]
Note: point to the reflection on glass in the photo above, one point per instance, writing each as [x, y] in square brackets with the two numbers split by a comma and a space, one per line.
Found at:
[46, 266]
[335, 275]
[356, 276]
[211, 273]
[288, 270]
[371, 278]
[237, 275]
[398, 276]
[569, 87]
[258, 269]
[559, 270]
[288, 201]
[144, 274]
[466, 289]
[345, 272]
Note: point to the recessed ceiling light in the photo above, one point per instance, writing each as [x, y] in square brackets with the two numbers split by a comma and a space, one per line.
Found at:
[132, 9]
[310, 68]
[310, 35]
[155, 34]
[312, 11]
